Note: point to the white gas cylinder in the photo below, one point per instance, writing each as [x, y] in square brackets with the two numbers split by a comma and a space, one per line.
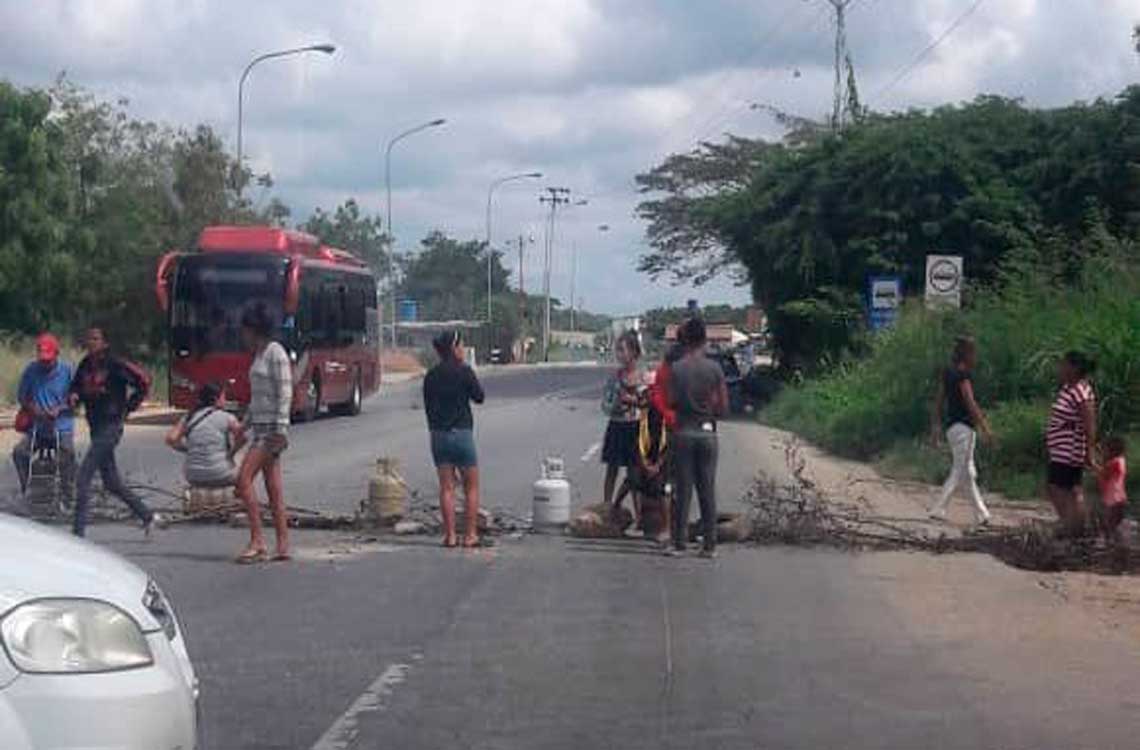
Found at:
[551, 496]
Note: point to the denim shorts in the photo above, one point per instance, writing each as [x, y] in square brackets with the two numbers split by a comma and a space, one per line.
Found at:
[454, 448]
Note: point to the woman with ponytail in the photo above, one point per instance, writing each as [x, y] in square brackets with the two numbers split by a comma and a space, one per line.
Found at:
[449, 389]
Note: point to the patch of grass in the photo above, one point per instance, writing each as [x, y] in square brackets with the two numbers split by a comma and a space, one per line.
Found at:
[16, 353]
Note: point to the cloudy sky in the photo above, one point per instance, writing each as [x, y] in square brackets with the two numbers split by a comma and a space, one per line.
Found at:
[590, 92]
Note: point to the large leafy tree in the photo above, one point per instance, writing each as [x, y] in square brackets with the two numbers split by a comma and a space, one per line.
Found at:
[347, 228]
[36, 269]
[809, 220]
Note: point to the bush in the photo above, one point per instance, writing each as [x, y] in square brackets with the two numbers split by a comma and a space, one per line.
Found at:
[879, 406]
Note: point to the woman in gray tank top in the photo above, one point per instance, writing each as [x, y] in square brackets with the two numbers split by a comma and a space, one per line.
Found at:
[209, 436]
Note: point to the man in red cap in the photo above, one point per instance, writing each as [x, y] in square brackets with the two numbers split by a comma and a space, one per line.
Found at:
[43, 393]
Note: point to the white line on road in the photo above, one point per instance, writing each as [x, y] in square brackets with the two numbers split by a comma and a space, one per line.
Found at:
[343, 734]
[591, 452]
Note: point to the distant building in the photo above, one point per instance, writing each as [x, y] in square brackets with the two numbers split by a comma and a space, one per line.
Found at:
[579, 339]
[718, 333]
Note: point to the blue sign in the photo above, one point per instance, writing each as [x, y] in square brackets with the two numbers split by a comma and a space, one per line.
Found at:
[884, 300]
[408, 311]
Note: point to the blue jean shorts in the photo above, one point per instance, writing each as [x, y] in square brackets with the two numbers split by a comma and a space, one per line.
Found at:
[454, 448]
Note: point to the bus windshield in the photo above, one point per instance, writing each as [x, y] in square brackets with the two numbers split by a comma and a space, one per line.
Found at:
[211, 293]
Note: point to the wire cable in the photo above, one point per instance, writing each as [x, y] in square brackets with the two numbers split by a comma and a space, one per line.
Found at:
[913, 64]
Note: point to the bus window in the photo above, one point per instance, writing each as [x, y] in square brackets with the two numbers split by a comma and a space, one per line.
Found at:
[211, 294]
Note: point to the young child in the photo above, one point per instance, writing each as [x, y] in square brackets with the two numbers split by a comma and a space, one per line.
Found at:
[620, 403]
[1111, 479]
[648, 479]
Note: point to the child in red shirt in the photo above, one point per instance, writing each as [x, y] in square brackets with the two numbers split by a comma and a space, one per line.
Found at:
[1111, 479]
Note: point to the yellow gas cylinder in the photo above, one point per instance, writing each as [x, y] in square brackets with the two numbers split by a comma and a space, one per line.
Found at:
[387, 492]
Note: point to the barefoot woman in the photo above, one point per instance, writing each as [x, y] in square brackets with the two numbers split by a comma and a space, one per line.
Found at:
[449, 389]
[270, 398]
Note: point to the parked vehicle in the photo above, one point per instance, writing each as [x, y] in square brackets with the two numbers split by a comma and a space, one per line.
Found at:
[324, 298]
[93, 655]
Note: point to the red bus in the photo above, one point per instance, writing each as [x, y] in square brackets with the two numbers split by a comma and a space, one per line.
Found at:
[324, 298]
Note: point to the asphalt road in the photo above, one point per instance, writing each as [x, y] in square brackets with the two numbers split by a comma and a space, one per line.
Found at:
[547, 642]
[528, 415]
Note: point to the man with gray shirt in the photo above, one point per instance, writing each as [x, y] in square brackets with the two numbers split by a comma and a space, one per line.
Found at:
[699, 394]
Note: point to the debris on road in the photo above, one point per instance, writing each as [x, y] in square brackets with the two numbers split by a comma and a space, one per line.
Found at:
[799, 513]
[601, 521]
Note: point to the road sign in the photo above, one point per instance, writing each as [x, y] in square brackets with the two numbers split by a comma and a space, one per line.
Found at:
[944, 281]
[884, 295]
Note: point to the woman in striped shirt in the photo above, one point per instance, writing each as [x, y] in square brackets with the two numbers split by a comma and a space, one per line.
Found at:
[1070, 439]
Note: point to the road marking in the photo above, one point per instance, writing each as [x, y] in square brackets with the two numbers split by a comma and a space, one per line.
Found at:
[591, 452]
[344, 732]
[668, 631]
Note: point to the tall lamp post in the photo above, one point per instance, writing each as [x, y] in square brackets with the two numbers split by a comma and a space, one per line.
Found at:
[490, 193]
[327, 49]
[388, 189]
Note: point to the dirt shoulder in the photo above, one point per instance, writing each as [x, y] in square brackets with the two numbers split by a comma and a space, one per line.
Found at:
[961, 591]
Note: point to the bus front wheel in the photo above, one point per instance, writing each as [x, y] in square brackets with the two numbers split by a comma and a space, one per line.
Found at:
[351, 408]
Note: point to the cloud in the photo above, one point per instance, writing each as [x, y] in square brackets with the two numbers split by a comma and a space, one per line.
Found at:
[590, 92]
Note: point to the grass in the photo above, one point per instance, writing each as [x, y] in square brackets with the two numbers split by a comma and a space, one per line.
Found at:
[878, 408]
[16, 353]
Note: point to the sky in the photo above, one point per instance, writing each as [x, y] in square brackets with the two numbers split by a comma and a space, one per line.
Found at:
[588, 92]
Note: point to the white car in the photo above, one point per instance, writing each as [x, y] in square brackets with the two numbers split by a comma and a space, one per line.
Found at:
[92, 655]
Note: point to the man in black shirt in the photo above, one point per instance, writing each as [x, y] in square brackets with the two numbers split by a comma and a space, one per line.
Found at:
[109, 388]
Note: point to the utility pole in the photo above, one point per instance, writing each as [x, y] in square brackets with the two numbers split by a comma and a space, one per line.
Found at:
[839, 109]
[573, 283]
[559, 196]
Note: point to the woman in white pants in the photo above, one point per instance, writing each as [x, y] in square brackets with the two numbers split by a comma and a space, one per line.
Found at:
[957, 413]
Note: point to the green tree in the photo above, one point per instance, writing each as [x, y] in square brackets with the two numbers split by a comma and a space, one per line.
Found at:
[810, 220]
[36, 270]
[348, 229]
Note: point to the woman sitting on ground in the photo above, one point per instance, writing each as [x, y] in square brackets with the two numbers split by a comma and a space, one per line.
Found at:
[210, 437]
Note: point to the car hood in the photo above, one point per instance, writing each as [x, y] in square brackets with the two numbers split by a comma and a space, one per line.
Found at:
[37, 562]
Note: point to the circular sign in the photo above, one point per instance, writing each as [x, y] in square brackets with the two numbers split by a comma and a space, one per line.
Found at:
[944, 276]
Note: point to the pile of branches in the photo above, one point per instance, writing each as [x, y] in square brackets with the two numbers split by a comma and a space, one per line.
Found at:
[799, 513]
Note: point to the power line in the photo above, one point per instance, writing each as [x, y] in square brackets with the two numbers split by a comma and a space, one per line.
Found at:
[910, 67]
[723, 100]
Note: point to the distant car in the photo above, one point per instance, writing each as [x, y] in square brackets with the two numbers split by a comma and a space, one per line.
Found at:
[497, 357]
[734, 378]
[93, 656]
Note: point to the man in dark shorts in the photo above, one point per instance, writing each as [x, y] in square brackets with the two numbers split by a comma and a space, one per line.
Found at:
[699, 395]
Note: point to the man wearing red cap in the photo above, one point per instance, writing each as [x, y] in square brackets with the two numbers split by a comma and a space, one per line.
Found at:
[43, 392]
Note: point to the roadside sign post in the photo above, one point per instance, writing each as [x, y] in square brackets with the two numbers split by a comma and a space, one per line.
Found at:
[884, 299]
[944, 281]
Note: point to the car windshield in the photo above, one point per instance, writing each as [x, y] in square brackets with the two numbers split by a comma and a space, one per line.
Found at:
[212, 292]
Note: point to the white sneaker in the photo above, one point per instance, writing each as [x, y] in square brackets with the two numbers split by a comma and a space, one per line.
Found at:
[157, 521]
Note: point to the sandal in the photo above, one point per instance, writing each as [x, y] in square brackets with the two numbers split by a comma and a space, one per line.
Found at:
[282, 557]
[251, 556]
[450, 543]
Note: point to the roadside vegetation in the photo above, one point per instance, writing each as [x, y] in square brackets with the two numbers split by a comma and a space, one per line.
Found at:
[878, 407]
[1042, 204]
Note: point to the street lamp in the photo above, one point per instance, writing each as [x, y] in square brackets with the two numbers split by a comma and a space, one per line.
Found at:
[490, 194]
[327, 49]
[388, 189]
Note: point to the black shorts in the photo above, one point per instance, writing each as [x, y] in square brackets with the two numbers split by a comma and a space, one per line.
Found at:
[1064, 476]
[620, 447]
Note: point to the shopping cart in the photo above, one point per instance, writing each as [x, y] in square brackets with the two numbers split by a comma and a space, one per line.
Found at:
[44, 494]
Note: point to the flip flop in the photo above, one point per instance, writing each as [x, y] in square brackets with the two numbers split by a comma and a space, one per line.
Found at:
[249, 557]
[282, 557]
[450, 543]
